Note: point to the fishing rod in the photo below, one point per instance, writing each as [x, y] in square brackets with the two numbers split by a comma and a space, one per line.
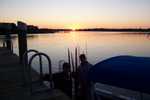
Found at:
[69, 57]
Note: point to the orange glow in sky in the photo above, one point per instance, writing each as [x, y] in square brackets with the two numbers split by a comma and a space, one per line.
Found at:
[76, 14]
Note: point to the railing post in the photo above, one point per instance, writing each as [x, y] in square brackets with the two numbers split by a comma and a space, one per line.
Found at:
[8, 41]
[22, 40]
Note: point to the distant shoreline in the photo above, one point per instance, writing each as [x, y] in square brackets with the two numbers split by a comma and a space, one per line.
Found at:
[51, 31]
[12, 28]
[115, 30]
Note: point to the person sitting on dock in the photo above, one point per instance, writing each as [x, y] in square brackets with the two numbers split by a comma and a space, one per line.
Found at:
[84, 84]
[62, 80]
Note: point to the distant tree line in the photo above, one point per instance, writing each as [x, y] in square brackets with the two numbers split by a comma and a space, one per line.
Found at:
[115, 30]
[11, 28]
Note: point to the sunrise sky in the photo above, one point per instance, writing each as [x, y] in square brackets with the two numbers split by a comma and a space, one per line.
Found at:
[78, 13]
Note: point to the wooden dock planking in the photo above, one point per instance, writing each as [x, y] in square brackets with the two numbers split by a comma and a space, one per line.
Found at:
[11, 80]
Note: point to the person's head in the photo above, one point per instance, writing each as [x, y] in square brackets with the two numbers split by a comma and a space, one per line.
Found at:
[66, 67]
[82, 58]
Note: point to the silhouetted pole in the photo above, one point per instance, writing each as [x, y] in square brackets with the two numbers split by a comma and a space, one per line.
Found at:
[69, 57]
[76, 67]
[22, 40]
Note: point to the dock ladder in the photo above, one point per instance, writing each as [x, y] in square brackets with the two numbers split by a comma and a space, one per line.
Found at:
[38, 85]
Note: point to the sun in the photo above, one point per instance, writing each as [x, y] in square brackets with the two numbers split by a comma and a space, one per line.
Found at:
[74, 27]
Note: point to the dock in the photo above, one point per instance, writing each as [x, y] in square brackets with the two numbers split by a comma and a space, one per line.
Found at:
[11, 81]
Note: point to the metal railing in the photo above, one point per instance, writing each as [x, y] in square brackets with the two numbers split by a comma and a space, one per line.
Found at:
[41, 70]
[25, 65]
[61, 65]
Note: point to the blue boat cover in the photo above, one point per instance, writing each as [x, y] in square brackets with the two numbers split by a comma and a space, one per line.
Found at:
[123, 71]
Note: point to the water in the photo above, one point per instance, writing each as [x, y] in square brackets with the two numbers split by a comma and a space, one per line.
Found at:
[97, 45]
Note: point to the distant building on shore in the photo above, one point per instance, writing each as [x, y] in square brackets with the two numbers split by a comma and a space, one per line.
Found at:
[7, 27]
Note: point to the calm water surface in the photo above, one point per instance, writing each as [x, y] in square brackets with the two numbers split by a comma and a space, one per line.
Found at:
[97, 45]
